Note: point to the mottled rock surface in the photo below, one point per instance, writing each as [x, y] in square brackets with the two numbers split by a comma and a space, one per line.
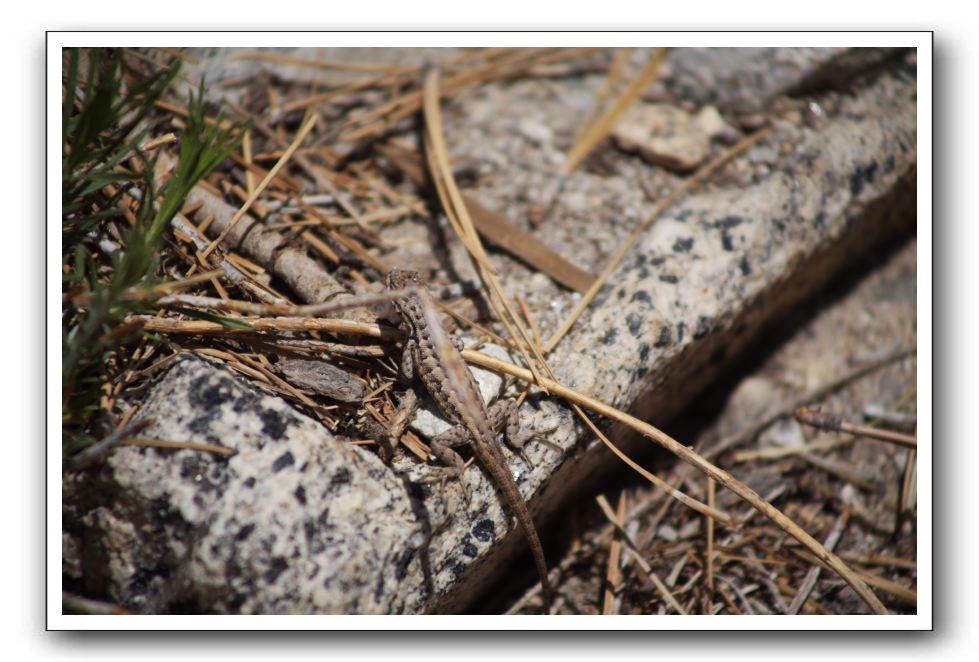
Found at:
[297, 522]
[294, 522]
[747, 80]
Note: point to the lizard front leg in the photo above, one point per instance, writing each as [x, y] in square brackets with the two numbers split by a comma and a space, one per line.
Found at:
[409, 358]
[390, 436]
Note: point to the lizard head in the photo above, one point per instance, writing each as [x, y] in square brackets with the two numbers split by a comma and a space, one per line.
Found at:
[399, 279]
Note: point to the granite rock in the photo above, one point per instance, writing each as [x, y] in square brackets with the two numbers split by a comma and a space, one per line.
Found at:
[294, 522]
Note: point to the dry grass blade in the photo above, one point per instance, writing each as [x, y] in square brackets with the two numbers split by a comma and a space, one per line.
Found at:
[813, 575]
[550, 192]
[246, 155]
[499, 230]
[779, 452]
[900, 593]
[822, 421]
[306, 128]
[615, 71]
[709, 556]
[511, 62]
[260, 325]
[234, 362]
[189, 281]
[909, 483]
[613, 576]
[600, 128]
[177, 109]
[702, 465]
[707, 511]
[618, 522]
[140, 293]
[880, 560]
[101, 449]
[664, 204]
[165, 139]
[252, 308]
[170, 443]
[525, 311]
[458, 214]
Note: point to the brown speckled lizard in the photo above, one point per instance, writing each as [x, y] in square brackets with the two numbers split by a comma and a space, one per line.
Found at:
[431, 355]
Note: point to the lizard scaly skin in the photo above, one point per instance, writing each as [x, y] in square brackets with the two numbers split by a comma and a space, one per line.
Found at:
[433, 357]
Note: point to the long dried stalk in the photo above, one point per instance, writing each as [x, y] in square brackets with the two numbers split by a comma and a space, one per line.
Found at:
[458, 214]
[698, 462]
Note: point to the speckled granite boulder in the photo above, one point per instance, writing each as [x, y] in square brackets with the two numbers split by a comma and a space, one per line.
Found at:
[293, 522]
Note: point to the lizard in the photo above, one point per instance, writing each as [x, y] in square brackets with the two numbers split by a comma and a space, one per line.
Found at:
[431, 354]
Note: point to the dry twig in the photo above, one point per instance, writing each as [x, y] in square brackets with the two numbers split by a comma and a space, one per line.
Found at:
[822, 421]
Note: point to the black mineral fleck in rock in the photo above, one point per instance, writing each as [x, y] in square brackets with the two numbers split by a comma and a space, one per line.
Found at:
[729, 222]
[727, 241]
[277, 566]
[634, 322]
[862, 175]
[641, 295]
[341, 477]
[273, 425]
[683, 245]
[468, 549]
[283, 461]
[207, 395]
[484, 530]
[402, 563]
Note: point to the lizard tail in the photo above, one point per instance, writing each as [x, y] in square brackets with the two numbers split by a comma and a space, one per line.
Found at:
[537, 551]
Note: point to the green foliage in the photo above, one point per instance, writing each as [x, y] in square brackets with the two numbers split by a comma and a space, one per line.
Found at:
[230, 322]
[106, 115]
[100, 129]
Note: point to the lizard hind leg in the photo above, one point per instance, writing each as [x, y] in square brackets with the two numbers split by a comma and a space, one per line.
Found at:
[505, 412]
[454, 466]
[505, 416]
